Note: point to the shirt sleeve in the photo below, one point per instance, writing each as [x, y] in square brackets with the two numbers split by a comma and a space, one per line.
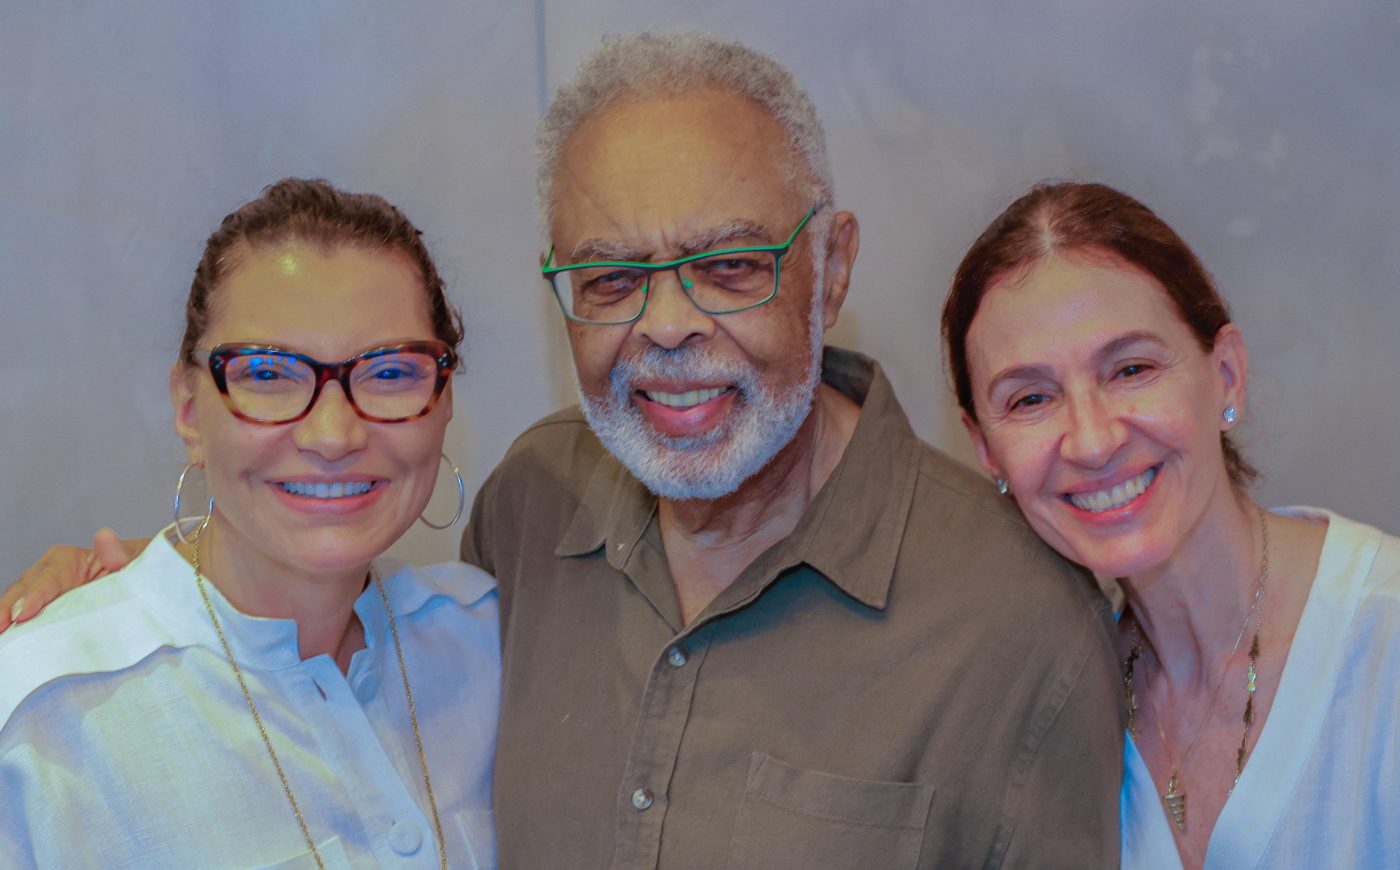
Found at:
[475, 538]
[1065, 812]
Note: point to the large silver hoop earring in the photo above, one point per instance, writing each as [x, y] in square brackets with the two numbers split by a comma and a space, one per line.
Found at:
[461, 498]
[175, 509]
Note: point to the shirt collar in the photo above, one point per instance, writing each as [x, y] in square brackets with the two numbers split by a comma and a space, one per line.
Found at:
[172, 595]
[850, 532]
[410, 588]
[272, 643]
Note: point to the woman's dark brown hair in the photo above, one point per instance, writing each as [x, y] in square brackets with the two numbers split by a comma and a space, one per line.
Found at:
[1067, 216]
[313, 211]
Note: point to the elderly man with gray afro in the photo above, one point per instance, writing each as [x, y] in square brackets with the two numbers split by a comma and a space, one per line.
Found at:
[750, 619]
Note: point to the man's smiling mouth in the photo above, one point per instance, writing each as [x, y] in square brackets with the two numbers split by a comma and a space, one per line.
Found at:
[685, 400]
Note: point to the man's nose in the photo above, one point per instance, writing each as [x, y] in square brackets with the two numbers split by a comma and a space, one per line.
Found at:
[670, 319]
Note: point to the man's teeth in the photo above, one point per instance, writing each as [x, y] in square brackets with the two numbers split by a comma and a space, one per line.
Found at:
[1119, 495]
[684, 400]
[327, 490]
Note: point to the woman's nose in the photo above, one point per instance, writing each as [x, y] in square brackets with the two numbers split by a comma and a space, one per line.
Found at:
[1094, 432]
[331, 429]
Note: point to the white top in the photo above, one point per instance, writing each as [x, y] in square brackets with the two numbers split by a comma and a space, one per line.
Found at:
[1322, 787]
[126, 742]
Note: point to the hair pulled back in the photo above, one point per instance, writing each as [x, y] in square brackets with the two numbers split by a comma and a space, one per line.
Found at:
[315, 212]
[1067, 216]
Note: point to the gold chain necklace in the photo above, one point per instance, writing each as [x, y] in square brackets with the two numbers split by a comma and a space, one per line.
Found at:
[1175, 798]
[262, 729]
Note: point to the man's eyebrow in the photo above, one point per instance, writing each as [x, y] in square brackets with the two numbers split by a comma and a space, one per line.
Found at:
[597, 250]
[724, 235]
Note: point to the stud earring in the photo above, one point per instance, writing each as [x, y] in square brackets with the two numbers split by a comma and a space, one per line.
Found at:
[1230, 415]
[1002, 486]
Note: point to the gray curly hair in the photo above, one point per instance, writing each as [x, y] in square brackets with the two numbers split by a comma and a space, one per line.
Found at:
[651, 64]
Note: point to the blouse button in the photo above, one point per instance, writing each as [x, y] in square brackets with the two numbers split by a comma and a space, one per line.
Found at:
[366, 687]
[405, 838]
[676, 656]
[642, 798]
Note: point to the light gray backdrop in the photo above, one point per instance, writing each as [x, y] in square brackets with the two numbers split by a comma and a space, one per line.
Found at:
[1267, 133]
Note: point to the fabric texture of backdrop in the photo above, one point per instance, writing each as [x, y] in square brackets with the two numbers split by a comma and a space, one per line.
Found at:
[1268, 135]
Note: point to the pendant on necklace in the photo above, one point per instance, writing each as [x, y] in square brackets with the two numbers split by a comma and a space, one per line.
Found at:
[1175, 802]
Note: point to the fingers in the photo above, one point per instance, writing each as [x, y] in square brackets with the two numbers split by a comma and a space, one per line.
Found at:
[11, 605]
[62, 568]
[111, 553]
[59, 569]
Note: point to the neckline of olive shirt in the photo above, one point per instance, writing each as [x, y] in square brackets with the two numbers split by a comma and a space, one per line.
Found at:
[849, 533]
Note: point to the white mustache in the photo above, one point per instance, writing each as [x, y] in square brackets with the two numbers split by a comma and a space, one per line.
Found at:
[679, 364]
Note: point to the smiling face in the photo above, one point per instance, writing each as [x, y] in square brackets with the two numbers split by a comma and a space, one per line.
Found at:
[331, 491]
[1098, 405]
[693, 404]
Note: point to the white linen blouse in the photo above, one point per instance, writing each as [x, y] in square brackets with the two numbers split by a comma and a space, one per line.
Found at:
[125, 740]
[1322, 786]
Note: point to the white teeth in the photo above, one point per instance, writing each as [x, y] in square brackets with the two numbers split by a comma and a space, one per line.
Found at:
[327, 490]
[684, 400]
[1116, 497]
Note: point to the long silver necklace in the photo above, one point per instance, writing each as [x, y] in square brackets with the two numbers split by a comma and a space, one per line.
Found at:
[1174, 798]
[262, 729]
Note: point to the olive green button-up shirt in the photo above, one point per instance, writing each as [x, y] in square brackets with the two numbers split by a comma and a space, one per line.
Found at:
[910, 679]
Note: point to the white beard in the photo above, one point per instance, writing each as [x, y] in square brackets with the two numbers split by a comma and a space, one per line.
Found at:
[761, 422]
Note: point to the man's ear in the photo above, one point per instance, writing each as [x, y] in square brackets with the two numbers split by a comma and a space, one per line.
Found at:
[979, 441]
[1230, 358]
[182, 394]
[841, 249]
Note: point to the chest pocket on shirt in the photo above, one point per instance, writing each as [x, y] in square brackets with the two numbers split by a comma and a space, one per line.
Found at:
[478, 829]
[791, 817]
[331, 852]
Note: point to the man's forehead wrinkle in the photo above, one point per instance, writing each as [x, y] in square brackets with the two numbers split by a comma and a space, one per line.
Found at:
[593, 250]
[720, 236]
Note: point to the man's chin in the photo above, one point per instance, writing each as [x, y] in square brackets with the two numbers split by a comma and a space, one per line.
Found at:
[692, 467]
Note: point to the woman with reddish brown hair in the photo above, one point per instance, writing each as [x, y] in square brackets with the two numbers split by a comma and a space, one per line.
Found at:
[1100, 375]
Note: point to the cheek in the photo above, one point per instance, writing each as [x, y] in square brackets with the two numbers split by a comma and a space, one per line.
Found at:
[1023, 454]
[418, 445]
[595, 350]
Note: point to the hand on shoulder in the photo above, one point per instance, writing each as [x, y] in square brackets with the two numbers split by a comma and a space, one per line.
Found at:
[63, 568]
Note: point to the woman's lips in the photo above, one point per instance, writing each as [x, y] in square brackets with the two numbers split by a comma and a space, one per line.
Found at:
[1117, 496]
[328, 497]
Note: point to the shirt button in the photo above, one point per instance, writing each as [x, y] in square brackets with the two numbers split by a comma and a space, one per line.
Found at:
[405, 838]
[366, 687]
[676, 656]
[642, 798]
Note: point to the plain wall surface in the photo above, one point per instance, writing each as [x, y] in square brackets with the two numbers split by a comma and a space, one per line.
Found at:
[1268, 135]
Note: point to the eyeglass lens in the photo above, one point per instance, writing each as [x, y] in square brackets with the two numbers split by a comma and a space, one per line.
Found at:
[718, 284]
[272, 386]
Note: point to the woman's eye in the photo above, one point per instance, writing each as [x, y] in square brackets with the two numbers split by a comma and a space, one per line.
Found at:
[1029, 401]
[1132, 370]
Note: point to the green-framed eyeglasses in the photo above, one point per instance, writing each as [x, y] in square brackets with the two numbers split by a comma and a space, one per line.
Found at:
[727, 281]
